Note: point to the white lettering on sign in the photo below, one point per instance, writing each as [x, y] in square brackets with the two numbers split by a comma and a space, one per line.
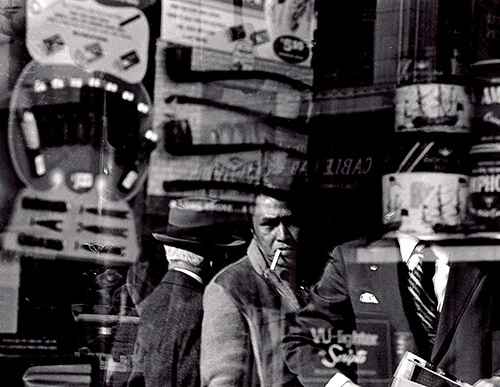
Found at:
[352, 356]
[485, 183]
[348, 166]
[39, 86]
[293, 45]
[327, 336]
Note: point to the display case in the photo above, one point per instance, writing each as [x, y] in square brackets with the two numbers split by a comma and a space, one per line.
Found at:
[387, 112]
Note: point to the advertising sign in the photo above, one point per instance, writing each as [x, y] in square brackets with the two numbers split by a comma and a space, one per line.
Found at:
[273, 36]
[366, 351]
[95, 37]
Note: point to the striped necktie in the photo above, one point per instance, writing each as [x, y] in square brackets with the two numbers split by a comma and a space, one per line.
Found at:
[425, 300]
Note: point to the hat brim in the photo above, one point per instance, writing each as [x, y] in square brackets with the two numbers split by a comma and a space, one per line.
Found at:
[170, 239]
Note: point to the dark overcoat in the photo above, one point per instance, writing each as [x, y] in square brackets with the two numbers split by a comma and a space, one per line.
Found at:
[167, 351]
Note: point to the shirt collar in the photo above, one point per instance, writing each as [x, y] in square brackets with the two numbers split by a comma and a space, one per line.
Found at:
[189, 273]
[407, 244]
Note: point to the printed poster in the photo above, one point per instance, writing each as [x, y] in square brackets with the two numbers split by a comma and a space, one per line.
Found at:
[95, 37]
[274, 36]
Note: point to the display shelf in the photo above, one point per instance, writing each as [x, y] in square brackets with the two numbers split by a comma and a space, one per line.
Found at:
[59, 224]
[477, 247]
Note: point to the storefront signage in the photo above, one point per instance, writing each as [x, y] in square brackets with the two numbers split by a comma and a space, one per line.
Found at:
[365, 351]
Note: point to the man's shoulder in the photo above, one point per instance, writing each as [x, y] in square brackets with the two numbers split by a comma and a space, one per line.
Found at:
[175, 287]
[237, 279]
[348, 251]
[233, 270]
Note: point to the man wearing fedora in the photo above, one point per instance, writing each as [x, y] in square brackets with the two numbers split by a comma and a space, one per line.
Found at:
[167, 348]
[247, 303]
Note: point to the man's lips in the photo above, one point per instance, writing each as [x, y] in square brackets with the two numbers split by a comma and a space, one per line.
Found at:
[287, 249]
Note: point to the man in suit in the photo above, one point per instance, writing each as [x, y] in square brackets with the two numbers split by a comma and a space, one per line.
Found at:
[337, 338]
[167, 348]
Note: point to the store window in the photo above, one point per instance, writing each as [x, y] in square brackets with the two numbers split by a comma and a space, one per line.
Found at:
[200, 192]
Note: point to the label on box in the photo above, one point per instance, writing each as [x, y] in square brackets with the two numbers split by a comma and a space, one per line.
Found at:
[484, 188]
[424, 202]
[92, 36]
[487, 94]
[433, 107]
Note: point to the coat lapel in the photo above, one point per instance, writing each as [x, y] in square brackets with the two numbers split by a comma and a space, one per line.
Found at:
[462, 281]
[383, 280]
[387, 282]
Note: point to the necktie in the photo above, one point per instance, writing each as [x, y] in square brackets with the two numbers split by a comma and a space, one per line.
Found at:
[425, 302]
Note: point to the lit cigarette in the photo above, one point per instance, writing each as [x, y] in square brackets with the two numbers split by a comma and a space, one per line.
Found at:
[275, 259]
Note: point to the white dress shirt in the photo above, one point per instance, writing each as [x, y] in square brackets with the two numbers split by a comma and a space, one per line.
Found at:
[407, 244]
[189, 273]
[177, 254]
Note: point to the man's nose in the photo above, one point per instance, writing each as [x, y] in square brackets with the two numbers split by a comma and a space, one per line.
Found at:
[283, 233]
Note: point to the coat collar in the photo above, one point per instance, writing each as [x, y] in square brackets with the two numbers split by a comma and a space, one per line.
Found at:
[261, 266]
[189, 273]
[176, 278]
[180, 278]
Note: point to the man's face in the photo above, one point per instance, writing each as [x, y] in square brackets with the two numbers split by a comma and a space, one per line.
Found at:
[274, 228]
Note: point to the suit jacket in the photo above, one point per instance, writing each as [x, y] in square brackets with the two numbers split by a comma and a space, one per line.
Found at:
[467, 341]
[167, 349]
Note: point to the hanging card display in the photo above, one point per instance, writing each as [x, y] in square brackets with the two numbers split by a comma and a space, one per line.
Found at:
[92, 36]
[271, 36]
[80, 142]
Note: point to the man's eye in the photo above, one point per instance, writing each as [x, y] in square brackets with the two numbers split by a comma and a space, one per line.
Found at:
[270, 223]
[290, 221]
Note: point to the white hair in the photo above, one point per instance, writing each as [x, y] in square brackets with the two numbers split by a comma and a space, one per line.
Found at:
[176, 254]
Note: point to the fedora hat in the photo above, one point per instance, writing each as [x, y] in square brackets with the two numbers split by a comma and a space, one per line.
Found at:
[200, 222]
